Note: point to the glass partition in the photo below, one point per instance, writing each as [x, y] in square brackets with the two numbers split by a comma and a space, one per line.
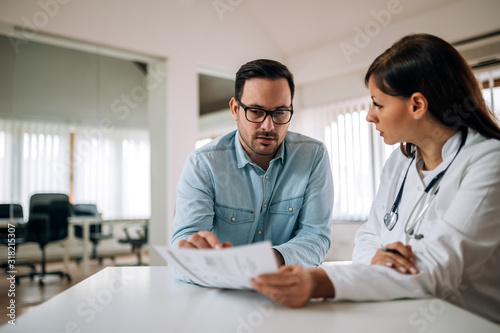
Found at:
[75, 122]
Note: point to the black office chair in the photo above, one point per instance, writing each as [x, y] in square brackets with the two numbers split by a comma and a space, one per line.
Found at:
[137, 241]
[47, 223]
[95, 230]
[14, 211]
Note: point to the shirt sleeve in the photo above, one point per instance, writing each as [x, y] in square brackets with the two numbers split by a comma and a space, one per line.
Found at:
[457, 250]
[195, 200]
[312, 240]
[194, 206]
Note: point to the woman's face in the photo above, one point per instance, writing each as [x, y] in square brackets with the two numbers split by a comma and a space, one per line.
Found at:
[392, 115]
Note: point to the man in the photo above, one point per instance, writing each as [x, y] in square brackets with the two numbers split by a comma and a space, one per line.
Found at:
[260, 182]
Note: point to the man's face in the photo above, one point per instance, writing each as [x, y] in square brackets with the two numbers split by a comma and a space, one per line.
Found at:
[262, 140]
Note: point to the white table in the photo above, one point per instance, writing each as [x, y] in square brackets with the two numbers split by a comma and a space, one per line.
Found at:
[148, 299]
[85, 222]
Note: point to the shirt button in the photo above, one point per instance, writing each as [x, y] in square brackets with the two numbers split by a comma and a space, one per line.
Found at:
[290, 209]
[233, 219]
[260, 232]
[419, 189]
[267, 177]
[265, 205]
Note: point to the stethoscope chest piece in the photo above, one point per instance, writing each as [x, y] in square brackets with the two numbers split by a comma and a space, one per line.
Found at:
[390, 219]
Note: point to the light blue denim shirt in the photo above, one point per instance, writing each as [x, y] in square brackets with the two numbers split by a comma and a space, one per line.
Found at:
[221, 190]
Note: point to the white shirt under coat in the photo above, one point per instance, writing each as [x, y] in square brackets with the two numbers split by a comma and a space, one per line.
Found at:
[459, 256]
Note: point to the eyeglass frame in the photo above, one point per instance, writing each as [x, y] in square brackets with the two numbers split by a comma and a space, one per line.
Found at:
[271, 113]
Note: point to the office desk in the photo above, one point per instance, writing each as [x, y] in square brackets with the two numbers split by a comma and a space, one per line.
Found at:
[5, 222]
[148, 299]
[85, 222]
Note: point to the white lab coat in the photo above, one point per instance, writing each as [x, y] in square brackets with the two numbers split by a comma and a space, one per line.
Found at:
[459, 257]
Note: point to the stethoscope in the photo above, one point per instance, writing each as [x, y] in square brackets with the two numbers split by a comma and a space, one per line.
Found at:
[391, 218]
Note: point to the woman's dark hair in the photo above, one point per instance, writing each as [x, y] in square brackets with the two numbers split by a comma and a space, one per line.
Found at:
[262, 68]
[429, 65]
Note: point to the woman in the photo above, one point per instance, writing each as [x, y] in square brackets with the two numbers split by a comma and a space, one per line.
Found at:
[434, 227]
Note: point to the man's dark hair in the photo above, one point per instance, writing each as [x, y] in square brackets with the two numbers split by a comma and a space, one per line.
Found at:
[265, 69]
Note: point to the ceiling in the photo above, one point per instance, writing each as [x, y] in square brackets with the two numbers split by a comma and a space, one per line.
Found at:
[296, 26]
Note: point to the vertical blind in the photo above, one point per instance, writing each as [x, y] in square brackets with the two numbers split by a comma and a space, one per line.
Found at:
[111, 169]
[357, 154]
[32, 158]
[490, 82]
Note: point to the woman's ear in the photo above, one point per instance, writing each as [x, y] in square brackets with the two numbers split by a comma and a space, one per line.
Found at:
[419, 105]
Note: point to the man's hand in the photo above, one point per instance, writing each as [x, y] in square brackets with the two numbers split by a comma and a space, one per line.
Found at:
[397, 256]
[203, 240]
[279, 258]
[293, 286]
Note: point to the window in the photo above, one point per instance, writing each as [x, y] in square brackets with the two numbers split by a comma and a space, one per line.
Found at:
[111, 169]
[357, 154]
[87, 132]
[489, 80]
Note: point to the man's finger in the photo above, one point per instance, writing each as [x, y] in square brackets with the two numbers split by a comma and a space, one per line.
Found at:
[211, 239]
[198, 242]
[185, 244]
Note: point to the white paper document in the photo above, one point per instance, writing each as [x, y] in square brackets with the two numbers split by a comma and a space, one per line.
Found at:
[224, 268]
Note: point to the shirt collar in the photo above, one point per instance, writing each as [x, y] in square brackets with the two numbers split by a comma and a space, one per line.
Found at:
[448, 151]
[243, 158]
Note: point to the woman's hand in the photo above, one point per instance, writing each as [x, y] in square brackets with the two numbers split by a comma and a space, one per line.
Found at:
[293, 286]
[397, 256]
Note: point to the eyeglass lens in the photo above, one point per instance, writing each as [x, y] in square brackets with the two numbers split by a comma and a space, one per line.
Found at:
[279, 116]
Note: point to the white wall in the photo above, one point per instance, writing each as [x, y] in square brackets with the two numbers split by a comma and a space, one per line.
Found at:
[216, 123]
[327, 73]
[43, 90]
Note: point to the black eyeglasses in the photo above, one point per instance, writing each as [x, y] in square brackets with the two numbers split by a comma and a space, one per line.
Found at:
[256, 115]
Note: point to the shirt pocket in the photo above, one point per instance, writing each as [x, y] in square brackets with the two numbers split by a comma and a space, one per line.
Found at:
[286, 207]
[234, 215]
[283, 219]
[233, 224]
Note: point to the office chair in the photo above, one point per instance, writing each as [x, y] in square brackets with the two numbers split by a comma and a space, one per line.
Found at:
[14, 211]
[137, 242]
[47, 223]
[95, 230]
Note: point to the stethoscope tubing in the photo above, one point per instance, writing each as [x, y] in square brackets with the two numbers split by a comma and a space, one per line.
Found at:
[391, 218]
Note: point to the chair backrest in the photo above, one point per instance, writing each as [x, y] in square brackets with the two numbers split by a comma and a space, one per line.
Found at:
[85, 210]
[5, 213]
[48, 217]
[7, 209]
